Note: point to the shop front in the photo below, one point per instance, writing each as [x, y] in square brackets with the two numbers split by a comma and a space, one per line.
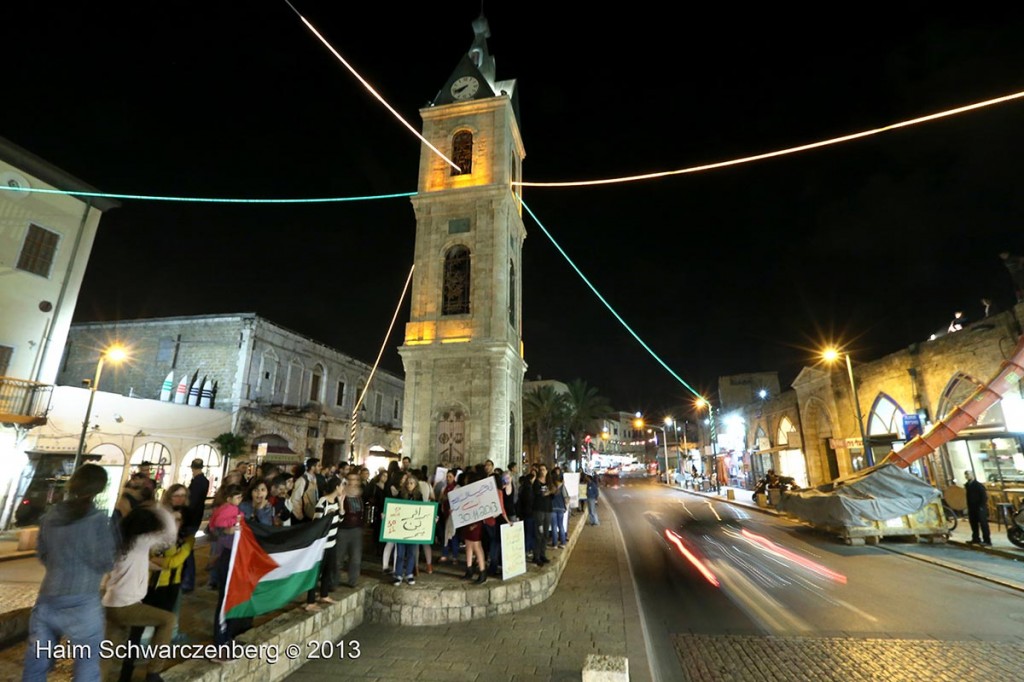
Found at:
[991, 449]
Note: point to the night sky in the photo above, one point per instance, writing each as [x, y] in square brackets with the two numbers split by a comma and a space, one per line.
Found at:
[874, 242]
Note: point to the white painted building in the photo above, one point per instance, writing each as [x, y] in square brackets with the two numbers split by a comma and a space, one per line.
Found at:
[45, 242]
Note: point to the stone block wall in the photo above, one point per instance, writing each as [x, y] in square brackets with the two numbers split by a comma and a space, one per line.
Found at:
[210, 345]
[428, 604]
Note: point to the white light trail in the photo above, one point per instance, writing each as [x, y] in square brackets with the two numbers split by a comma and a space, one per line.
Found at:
[782, 152]
[370, 88]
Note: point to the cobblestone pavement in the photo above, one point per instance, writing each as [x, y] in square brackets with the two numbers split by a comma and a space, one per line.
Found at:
[592, 611]
[740, 658]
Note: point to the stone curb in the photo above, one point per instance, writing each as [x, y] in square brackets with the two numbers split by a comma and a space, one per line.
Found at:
[429, 604]
[294, 630]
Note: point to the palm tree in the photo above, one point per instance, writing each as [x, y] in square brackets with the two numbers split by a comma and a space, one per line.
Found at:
[586, 406]
[544, 411]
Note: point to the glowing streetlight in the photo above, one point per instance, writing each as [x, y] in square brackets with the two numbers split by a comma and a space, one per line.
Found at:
[116, 354]
[831, 355]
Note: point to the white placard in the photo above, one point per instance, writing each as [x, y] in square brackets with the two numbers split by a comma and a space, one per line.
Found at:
[474, 502]
[571, 481]
[439, 475]
[513, 550]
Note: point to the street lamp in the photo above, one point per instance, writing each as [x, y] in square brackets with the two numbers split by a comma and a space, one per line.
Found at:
[830, 355]
[116, 354]
[700, 403]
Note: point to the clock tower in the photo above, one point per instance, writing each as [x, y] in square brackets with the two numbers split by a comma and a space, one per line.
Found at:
[463, 351]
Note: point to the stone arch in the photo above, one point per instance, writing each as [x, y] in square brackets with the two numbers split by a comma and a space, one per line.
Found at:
[213, 469]
[823, 462]
[317, 383]
[456, 281]
[451, 435]
[266, 380]
[462, 152]
[112, 458]
[886, 418]
[162, 459]
[293, 385]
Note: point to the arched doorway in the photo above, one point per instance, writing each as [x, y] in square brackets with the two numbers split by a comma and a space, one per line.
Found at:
[987, 448]
[791, 458]
[213, 466]
[111, 458]
[160, 457]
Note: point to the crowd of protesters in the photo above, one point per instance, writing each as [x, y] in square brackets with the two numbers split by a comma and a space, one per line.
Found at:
[145, 549]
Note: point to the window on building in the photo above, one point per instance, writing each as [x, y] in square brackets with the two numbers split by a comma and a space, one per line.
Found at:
[6, 352]
[462, 152]
[315, 382]
[339, 399]
[38, 251]
[312, 432]
[165, 351]
[512, 293]
[886, 418]
[458, 225]
[394, 414]
[455, 290]
[378, 408]
[785, 428]
[359, 393]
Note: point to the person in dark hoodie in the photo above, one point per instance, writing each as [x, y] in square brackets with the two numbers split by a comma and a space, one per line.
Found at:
[77, 545]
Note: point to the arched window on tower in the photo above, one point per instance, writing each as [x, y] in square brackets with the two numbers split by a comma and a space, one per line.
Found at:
[512, 293]
[462, 152]
[512, 437]
[455, 291]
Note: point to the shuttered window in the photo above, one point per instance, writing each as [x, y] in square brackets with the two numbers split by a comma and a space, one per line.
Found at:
[38, 251]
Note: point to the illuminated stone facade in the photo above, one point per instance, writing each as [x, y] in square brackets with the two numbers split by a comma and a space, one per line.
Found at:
[463, 352]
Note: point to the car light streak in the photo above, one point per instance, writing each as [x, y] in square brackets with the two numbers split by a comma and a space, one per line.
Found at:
[697, 563]
[778, 550]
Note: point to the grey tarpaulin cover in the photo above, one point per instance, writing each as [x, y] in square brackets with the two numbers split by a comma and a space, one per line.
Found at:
[873, 495]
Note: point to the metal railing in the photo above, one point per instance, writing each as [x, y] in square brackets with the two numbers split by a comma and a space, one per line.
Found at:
[23, 401]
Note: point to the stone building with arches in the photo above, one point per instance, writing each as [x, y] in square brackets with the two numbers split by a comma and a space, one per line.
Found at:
[291, 393]
[810, 432]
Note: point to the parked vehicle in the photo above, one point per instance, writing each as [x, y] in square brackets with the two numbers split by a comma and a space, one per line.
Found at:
[1014, 519]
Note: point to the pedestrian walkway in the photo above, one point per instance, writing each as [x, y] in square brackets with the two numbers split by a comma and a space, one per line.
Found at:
[593, 611]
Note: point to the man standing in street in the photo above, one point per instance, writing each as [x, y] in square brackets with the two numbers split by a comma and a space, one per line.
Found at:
[977, 510]
[192, 519]
[306, 493]
[593, 492]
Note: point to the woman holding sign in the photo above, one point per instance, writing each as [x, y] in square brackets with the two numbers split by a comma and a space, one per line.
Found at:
[472, 535]
[405, 563]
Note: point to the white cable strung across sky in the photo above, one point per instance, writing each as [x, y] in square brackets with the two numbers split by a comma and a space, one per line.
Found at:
[781, 152]
[370, 89]
[608, 305]
[203, 200]
[581, 183]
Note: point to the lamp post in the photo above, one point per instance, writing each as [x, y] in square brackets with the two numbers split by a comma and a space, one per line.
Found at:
[115, 353]
[669, 421]
[700, 404]
[830, 355]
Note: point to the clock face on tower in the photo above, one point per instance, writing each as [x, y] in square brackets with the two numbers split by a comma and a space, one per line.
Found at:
[465, 87]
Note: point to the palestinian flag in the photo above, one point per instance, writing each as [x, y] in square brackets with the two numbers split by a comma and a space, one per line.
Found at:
[272, 566]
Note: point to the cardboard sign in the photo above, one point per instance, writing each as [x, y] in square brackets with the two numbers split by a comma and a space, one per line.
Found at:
[474, 502]
[439, 475]
[571, 481]
[513, 550]
[408, 521]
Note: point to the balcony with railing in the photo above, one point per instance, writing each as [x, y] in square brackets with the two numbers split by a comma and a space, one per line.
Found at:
[24, 402]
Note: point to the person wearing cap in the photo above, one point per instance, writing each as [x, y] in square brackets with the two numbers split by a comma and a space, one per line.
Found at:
[192, 519]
